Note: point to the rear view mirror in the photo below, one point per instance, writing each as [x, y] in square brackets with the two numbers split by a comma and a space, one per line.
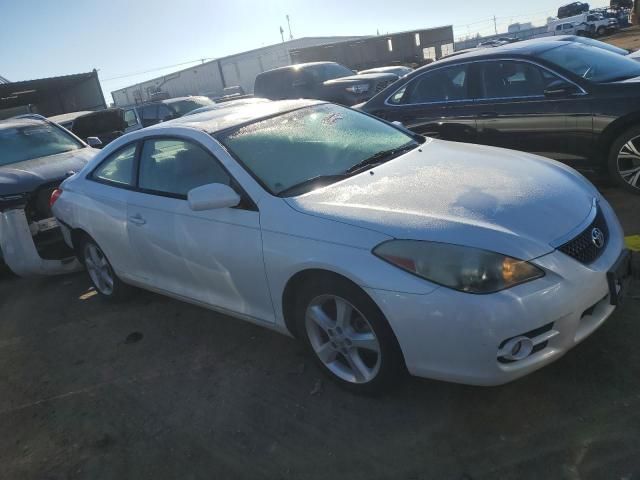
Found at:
[94, 142]
[212, 196]
[560, 88]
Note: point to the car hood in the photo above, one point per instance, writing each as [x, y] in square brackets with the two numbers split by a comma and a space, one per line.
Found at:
[501, 200]
[24, 177]
[365, 77]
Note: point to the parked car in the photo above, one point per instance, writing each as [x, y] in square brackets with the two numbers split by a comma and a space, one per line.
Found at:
[147, 114]
[572, 28]
[572, 9]
[398, 70]
[569, 101]
[37, 155]
[382, 249]
[106, 125]
[320, 80]
[601, 25]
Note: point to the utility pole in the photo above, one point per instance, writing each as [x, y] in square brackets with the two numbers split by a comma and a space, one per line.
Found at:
[282, 33]
[289, 23]
[495, 25]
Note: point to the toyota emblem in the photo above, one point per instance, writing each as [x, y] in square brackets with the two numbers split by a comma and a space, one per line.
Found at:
[597, 237]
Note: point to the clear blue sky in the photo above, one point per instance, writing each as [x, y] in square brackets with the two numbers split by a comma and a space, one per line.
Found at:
[120, 37]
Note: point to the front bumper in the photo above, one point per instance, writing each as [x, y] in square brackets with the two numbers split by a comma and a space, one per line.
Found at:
[20, 252]
[457, 337]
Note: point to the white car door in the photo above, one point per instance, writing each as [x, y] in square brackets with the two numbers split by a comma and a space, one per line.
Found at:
[104, 211]
[211, 256]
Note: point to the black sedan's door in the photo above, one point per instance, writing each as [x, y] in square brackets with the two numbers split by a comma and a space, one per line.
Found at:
[437, 104]
[524, 106]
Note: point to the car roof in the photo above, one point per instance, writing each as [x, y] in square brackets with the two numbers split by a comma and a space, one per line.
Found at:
[220, 119]
[523, 48]
[384, 69]
[179, 99]
[298, 66]
[22, 121]
[67, 117]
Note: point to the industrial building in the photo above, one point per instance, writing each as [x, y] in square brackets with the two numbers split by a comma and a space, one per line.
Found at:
[415, 47]
[51, 96]
[211, 78]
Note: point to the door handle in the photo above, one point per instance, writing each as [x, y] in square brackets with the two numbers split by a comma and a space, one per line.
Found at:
[488, 115]
[137, 219]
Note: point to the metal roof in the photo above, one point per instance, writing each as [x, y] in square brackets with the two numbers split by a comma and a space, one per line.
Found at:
[15, 94]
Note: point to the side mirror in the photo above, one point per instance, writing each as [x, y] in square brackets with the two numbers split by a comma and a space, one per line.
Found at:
[94, 142]
[212, 197]
[559, 89]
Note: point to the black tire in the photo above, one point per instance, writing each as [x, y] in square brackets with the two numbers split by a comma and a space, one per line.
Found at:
[118, 291]
[615, 165]
[391, 365]
[601, 31]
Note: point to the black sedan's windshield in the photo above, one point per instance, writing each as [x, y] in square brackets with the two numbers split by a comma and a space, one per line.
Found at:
[592, 63]
[323, 142]
[24, 139]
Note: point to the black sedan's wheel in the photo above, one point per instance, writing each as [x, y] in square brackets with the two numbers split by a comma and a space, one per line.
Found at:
[624, 160]
[348, 336]
[102, 276]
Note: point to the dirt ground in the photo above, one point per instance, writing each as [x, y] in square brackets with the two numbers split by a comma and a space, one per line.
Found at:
[156, 389]
[628, 38]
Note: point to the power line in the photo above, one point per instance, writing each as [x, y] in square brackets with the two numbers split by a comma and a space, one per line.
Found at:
[126, 75]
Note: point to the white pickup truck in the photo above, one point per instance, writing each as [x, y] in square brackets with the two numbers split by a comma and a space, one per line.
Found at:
[591, 24]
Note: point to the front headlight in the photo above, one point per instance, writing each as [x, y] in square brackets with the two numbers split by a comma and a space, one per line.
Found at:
[358, 89]
[466, 269]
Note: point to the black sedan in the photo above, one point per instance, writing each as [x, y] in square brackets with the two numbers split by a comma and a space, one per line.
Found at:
[569, 101]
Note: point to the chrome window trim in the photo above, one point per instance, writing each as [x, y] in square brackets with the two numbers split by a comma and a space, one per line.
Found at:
[474, 100]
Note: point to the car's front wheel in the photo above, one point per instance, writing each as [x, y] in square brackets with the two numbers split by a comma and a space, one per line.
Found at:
[348, 336]
[102, 276]
[624, 160]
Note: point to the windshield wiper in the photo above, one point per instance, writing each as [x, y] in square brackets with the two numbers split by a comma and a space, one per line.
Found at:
[380, 157]
[319, 179]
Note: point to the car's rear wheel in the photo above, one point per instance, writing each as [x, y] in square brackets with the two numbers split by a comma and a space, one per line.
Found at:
[624, 160]
[348, 336]
[601, 31]
[102, 276]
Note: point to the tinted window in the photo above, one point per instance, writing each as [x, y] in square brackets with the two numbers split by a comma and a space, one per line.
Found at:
[182, 107]
[118, 168]
[513, 79]
[311, 142]
[165, 113]
[592, 63]
[328, 71]
[441, 85]
[149, 115]
[24, 139]
[175, 166]
[130, 118]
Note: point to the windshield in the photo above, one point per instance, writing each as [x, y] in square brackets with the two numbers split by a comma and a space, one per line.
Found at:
[329, 71]
[318, 141]
[592, 63]
[182, 107]
[25, 139]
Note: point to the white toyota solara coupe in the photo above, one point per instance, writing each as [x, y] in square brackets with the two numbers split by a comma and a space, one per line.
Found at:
[381, 249]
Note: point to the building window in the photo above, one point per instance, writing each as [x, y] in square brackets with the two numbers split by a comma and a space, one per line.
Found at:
[390, 44]
[417, 36]
[429, 53]
[447, 49]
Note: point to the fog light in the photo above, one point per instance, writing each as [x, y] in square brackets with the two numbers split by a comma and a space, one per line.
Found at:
[517, 348]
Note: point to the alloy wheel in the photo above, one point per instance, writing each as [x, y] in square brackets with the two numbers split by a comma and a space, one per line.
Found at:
[343, 339]
[99, 269]
[629, 162]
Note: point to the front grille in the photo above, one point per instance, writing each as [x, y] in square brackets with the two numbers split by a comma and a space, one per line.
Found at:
[582, 248]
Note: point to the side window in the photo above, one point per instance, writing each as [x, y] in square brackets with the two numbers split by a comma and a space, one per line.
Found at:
[130, 118]
[173, 166]
[510, 79]
[164, 112]
[149, 115]
[117, 168]
[558, 27]
[441, 85]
